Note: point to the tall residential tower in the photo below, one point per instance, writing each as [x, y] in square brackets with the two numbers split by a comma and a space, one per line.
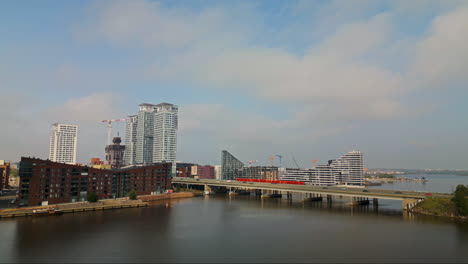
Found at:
[151, 135]
[63, 143]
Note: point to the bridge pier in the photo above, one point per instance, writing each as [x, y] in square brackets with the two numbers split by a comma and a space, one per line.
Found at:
[207, 189]
[375, 202]
[359, 201]
[409, 204]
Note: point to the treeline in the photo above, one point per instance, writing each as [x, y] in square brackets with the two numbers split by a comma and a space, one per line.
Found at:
[460, 200]
[382, 176]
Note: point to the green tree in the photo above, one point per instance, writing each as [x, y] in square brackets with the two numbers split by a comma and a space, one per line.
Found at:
[13, 172]
[92, 197]
[132, 195]
[459, 199]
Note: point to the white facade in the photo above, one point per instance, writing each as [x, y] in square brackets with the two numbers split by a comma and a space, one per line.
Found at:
[63, 142]
[165, 133]
[151, 135]
[351, 167]
[218, 172]
[347, 169]
[321, 175]
[130, 140]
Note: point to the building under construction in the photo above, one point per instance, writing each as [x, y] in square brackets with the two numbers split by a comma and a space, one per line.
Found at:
[115, 153]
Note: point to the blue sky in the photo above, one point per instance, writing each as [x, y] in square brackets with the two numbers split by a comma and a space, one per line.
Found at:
[311, 79]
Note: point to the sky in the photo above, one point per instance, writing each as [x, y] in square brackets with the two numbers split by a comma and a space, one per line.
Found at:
[301, 78]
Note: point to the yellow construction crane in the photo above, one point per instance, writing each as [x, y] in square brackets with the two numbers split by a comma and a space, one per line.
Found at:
[272, 158]
[313, 163]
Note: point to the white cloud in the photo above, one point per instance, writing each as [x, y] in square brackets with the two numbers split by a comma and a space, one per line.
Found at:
[442, 56]
[28, 124]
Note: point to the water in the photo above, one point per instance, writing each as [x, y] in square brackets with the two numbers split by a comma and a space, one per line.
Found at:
[241, 229]
[435, 183]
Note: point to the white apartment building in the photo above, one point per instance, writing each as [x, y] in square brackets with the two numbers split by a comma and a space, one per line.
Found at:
[165, 133]
[321, 175]
[63, 142]
[347, 169]
[351, 167]
[151, 135]
[218, 172]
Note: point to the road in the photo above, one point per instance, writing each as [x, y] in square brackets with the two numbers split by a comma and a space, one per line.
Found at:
[328, 190]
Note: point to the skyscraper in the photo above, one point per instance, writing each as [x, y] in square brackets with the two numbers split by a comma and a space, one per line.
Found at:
[165, 133]
[63, 142]
[130, 140]
[151, 135]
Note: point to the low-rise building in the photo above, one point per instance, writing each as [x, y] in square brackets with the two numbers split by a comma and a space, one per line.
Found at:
[53, 182]
[203, 172]
[4, 174]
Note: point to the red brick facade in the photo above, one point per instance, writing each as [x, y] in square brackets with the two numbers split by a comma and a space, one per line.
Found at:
[44, 180]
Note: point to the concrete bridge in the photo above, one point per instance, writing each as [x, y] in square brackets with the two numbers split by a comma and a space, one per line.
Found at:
[356, 195]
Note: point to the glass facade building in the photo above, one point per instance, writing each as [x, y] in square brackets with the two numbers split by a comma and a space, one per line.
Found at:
[151, 135]
[232, 168]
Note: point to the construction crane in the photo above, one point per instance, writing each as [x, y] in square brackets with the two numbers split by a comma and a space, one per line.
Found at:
[281, 159]
[294, 160]
[109, 127]
[251, 162]
[313, 163]
[271, 160]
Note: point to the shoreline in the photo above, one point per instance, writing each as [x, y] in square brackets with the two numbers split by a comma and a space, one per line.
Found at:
[107, 204]
[451, 217]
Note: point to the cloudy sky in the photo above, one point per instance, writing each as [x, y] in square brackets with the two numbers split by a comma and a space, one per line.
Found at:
[309, 79]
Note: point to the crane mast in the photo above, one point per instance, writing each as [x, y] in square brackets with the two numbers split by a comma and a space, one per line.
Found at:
[109, 128]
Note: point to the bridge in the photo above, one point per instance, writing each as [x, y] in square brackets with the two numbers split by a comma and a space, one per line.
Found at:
[357, 195]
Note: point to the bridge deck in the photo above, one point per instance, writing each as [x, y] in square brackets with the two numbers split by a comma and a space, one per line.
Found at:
[328, 190]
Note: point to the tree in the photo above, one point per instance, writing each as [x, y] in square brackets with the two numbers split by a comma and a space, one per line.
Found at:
[132, 195]
[92, 197]
[459, 199]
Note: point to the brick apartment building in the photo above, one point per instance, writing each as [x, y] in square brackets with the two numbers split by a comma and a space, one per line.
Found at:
[44, 180]
[203, 172]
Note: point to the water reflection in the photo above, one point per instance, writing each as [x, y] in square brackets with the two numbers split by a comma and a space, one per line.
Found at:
[220, 228]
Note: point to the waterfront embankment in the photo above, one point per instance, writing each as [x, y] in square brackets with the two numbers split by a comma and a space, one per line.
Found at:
[119, 203]
[392, 180]
[438, 207]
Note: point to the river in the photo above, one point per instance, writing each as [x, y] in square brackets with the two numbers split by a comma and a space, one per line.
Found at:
[242, 229]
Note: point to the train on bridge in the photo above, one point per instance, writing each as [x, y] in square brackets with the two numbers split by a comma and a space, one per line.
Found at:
[270, 181]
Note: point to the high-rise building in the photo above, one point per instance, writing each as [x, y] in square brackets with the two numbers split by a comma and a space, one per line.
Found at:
[351, 167]
[63, 142]
[130, 140]
[115, 153]
[165, 133]
[151, 135]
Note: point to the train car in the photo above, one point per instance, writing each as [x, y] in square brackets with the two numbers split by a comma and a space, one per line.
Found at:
[270, 181]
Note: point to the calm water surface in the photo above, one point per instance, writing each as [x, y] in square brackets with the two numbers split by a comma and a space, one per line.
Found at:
[241, 229]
